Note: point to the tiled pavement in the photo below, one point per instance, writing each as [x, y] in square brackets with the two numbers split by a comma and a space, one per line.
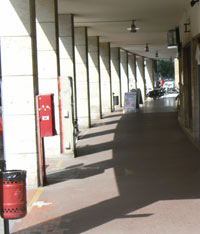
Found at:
[135, 173]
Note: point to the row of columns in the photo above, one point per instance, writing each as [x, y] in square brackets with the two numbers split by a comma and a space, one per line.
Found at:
[42, 52]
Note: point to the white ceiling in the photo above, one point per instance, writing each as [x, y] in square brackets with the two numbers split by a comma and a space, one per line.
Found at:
[110, 19]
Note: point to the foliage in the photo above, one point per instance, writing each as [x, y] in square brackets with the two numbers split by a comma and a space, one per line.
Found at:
[165, 69]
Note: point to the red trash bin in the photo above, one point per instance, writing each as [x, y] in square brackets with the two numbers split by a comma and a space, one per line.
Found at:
[13, 204]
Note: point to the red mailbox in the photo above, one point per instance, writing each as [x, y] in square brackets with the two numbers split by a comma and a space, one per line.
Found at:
[46, 115]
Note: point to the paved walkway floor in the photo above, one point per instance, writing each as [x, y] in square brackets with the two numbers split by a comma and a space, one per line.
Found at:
[135, 173]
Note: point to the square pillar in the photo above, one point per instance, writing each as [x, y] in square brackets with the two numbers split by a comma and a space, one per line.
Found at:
[94, 77]
[105, 71]
[124, 73]
[132, 71]
[141, 76]
[67, 83]
[82, 77]
[47, 53]
[176, 72]
[67, 51]
[187, 79]
[115, 72]
[149, 74]
[19, 86]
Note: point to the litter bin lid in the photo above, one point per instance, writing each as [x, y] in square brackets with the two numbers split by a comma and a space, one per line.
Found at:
[13, 175]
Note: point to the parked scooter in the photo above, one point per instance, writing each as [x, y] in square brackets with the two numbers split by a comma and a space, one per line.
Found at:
[156, 93]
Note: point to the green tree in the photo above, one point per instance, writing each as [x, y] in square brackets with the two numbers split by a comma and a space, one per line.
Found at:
[165, 69]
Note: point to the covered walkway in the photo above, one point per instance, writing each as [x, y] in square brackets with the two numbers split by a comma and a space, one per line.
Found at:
[135, 173]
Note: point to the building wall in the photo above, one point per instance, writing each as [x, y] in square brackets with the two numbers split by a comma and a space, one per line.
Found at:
[191, 16]
[189, 78]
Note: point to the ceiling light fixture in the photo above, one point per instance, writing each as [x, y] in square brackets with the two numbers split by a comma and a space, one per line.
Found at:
[133, 27]
[193, 2]
[147, 48]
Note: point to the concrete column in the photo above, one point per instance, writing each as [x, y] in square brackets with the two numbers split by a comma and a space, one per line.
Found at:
[105, 71]
[149, 75]
[187, 89]
[94, 77]
[176, 71]
[47, 45]
[67, 82]
[140, 76]
[115, 72]
[19, 86]
[82, 77]
[124, 73]
[181, 92]
[66, 44]
[154, 72]
[132, 71]
[67, 51]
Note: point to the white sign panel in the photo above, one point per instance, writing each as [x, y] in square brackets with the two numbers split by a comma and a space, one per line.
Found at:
[45, 117]
[130, 101]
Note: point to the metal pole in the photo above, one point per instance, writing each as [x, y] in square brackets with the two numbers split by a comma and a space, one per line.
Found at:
[60, 114]
[40, 143]
[5, 221]
[6, 226]
[44, 163]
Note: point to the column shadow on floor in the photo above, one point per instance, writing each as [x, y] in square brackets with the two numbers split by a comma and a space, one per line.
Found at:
[152, 160]
[96, 134]
[79, 171]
